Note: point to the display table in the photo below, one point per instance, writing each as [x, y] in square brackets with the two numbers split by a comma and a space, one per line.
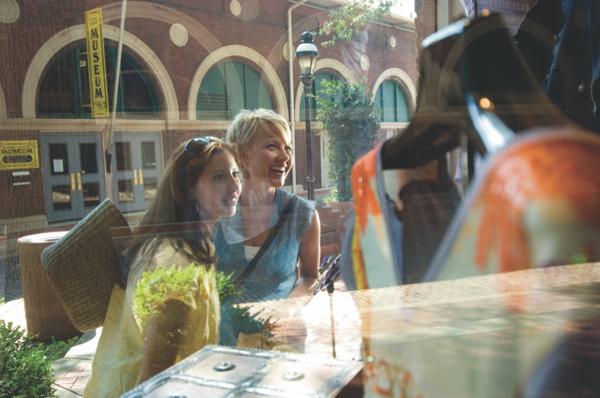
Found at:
[44, 313]
[217, 371]
[534, 331]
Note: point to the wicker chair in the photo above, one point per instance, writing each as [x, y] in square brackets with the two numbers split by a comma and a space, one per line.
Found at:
[82, 266]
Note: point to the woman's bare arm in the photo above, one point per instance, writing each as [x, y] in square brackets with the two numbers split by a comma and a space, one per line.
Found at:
[310, 254]
[162, 338]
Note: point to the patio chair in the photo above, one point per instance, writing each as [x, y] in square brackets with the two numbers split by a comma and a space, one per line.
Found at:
[82, 266]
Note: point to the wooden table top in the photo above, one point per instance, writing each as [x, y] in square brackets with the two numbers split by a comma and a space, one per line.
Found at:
[465, 336]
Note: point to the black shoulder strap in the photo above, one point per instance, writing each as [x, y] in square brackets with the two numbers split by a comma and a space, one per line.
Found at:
[263, 248]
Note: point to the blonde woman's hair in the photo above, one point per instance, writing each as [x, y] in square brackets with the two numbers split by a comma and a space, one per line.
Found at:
[244, 126]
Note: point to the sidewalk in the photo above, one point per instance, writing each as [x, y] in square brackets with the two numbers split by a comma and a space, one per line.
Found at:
[72, 372]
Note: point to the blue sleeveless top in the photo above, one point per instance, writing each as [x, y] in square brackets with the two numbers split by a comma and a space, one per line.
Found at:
[275, 273]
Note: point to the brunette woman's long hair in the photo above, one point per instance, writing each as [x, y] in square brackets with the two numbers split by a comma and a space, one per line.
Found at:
[174, 212]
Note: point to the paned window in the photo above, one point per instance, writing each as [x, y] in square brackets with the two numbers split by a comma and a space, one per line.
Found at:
[229, 87]
[392, 102]
[64, 87]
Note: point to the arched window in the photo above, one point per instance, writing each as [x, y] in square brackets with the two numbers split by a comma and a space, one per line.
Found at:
[64, 87]
[390, 98]
[320, 77]
[229, 87]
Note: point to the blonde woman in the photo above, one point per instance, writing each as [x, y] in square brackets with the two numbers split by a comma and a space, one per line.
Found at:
[265, 217]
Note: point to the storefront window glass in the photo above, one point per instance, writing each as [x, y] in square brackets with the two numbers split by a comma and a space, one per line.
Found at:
[435, 222]
[391, 100]
[64, 87]
[229, 87]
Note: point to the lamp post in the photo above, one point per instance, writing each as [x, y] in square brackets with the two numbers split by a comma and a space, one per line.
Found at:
[307, 55]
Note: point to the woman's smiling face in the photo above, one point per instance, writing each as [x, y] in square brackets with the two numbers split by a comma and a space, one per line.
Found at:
[218, 188]
[268, 158]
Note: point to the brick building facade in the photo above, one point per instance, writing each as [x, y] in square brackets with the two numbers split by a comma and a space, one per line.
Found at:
[171, 50]
[176, 43]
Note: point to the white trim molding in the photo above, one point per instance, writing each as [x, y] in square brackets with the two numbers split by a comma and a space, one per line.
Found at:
[77, 32]
[401, 77]
[325, 63]
[233, 51]
[98, 125]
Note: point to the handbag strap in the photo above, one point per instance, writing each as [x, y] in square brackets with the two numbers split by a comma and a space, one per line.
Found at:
[263, 248]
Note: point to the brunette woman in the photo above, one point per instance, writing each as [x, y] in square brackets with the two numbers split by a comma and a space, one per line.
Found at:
[170, 307]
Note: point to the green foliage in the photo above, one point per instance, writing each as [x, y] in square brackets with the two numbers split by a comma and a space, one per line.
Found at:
[239, 315]
[56, 349]
[347, 19]
[244, 319]
[225, 286]
[176, 282]
[26, 365]
[162, 283]
[330, 197]
[350, 121]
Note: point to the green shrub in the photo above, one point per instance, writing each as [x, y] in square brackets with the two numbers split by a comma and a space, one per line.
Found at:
[26, 365]
[242, 318]
[162, 282]
[350, 121]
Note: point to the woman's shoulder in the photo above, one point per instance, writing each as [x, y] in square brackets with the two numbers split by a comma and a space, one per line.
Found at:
[301, 204]
[160, 252]
[302, 214]
[163, 247]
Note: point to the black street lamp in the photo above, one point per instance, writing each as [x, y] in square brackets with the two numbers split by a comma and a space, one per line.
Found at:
[307, 55]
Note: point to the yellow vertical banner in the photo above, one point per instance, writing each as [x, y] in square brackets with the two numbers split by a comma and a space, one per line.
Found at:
[96, 63]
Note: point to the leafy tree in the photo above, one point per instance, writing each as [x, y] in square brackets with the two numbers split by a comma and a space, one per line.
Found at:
[345, 109]
[351, 122]
[347, 19]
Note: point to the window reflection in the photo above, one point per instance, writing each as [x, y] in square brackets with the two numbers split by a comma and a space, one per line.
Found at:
[59, 160]
[229, 87]
[61, 197]
[91, 194]
[481, 261]
[150, 186]
[148, 155]
[88, 158]
[64, 87]
[123, 156]
[125, 191]
[390, 98]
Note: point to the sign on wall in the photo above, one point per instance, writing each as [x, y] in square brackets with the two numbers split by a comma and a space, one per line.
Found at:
[96, 63]
[19, 155]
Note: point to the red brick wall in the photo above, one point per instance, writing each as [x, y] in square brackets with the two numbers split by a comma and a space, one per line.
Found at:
[264, 34]
[263, 29]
